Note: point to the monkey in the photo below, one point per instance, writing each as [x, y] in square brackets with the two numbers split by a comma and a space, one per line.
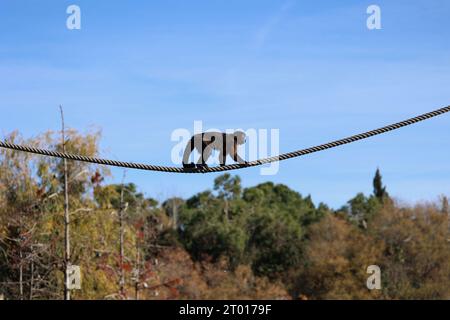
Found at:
[206, 142]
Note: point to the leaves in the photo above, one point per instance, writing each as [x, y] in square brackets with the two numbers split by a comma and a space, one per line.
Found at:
[261, 242]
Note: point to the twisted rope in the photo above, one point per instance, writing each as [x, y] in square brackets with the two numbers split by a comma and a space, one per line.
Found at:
[255, 163]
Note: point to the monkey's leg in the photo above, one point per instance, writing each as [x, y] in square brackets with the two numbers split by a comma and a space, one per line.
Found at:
[222, 158]
[240, 160]
[237, 158]
[224, 151]
[187, 153]
[206, 153]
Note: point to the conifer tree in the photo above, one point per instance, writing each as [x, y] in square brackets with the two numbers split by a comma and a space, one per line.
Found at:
[379, 190]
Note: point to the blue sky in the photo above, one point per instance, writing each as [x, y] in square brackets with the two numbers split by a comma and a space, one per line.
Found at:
[140, 69]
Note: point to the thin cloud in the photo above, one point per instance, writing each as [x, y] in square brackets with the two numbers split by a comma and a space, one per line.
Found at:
[264, 32]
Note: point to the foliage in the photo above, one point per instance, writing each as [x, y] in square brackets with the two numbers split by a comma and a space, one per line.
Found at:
[230, 242]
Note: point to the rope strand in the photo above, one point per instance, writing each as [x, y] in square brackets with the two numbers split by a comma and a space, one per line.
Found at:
[285, 156]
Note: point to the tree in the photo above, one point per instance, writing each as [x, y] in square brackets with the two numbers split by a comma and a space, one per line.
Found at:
[254, 243]
[362, 209]
[416, 257]
[379, 190]
[334, 263]
[172, 207]
[275, 243]
[228, 188]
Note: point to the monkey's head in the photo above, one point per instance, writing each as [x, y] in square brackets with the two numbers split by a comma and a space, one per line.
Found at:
[240, 137]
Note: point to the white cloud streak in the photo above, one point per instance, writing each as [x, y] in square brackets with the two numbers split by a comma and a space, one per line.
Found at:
[264, 32]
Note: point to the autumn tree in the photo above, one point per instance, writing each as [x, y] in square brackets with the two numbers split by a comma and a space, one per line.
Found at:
[416, 257]
[334, 265]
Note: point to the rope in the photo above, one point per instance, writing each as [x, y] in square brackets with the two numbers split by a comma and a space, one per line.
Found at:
[255, 163]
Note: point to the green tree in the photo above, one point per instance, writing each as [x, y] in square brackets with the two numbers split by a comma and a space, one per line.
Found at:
[362, 209]
[228, 189]
[379, 191]
[275, 242]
